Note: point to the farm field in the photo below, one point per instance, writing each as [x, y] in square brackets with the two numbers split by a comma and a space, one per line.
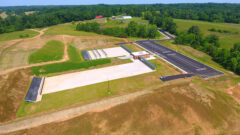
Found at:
[16, 35]
[226, 40]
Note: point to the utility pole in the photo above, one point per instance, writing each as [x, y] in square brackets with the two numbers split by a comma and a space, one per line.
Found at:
[109, 92]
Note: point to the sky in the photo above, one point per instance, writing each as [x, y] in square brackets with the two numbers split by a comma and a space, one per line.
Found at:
[91, 2]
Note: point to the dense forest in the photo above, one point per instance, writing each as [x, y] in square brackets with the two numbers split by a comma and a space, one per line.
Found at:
[133, 29]
[229, 59]
[52, 15]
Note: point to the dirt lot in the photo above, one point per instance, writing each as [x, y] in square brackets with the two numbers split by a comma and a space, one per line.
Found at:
[13, 88]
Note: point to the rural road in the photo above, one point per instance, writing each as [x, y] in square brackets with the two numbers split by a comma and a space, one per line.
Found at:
[69, 113]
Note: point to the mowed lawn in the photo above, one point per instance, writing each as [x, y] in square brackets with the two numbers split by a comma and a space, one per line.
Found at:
[98, 91]
[52, 51]
[226, 40]
[16, 35]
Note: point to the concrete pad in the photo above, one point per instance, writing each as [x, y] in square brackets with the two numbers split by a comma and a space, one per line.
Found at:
[111, 52]
[79, 79]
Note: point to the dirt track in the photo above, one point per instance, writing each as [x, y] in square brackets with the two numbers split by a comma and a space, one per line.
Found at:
[69, 113]
[65, 57]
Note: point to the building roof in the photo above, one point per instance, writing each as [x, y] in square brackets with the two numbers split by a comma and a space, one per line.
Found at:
[100, 16]
[140, 53]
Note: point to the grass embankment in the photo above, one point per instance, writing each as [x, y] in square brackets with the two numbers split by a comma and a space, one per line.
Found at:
[184, 108]
[18, 35]
[66, 66]
[52, 51]
[75, 62]
[227, 40]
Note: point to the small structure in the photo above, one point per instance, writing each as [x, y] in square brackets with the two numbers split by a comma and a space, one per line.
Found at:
[100, 16]
[126, 17]
[123, 17]
[34, 93]
[143, 54]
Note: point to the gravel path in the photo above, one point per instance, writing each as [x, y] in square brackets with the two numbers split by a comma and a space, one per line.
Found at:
[69, 113]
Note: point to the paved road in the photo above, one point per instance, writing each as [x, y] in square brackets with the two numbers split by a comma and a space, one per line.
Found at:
[170, 37]
[69, 113]
[180, 61]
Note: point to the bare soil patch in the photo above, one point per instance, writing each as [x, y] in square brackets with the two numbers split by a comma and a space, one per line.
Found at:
[13, 88]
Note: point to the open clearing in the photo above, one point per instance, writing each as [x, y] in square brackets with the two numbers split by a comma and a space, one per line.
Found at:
[3, 15]
[73, 80]
[16, 35]
[226, 40]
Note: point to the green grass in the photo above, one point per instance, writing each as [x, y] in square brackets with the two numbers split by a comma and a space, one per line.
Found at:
[67, 66]
[67, 29]
[17, 34]
[53, 50]
[73, 54]
[226, 40]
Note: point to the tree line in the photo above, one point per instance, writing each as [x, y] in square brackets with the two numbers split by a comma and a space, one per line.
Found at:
[52, 15]
[166, 23]
[133, 29]
[229, 59]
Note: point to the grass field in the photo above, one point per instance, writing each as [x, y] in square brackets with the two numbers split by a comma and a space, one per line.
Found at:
[16, 35]
[67, 29]
[97, 91]
[74, 55]
[52, 51]
[226, 40]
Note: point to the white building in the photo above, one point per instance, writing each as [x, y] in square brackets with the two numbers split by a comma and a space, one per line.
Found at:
[126, 17]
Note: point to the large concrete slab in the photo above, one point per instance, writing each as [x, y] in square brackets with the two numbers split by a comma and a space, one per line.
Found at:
[180, 61]
[79, 79]
[111, 52]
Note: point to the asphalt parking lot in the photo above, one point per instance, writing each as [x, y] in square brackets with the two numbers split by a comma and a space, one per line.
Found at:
[184, 63]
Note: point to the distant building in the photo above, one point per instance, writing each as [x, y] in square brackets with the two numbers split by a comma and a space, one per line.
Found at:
[121, 17]
[144, 54]
[100, 16]
[126, 17]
